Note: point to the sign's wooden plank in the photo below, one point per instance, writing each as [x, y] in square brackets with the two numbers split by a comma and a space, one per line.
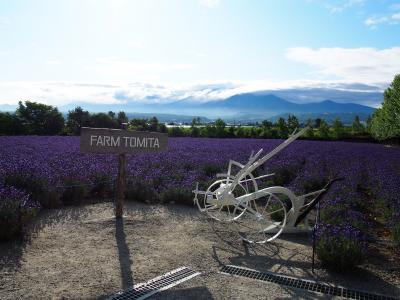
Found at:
[117, 141]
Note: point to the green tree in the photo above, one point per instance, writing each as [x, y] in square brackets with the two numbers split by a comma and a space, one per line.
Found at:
[266, 128]
[357, 127]
[76, 119]
[220, 128]
[162, 128]
[10, 124]
[176, 131]
[231, 131]
[385, 122]
[40, 119]
[266, 125]
[318, 122]
[194, 131]
[102, 120]
[282, 128]
[138, 124]
[337, 129]
[292, 123]
[310, 130]
[323, 130]
[111, 114]
[240, 132]
[195, 122]
[369, 123]
[209, 131]
[122, 118]
[153, 124]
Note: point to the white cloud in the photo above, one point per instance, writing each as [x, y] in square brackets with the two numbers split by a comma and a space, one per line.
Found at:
[136, 44]
[392, 19]
[210, 3]
[62, 93]
[55, 93]
[356, 64]
[396, 16]
[337, 6]
[4, 21]
[341, 5]
[53, 62]
[371, 21]
[113, 67]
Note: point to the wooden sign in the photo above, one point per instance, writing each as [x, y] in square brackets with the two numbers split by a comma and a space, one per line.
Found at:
[121, 142]
[104, 140]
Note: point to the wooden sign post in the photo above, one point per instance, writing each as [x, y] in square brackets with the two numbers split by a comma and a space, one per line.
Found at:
[121, 142]
[119, 200]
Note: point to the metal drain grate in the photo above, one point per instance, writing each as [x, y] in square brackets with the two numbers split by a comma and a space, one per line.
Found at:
[160, 283]
[302, 284]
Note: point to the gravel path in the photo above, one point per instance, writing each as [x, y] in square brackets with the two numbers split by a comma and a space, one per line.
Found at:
[83, 253]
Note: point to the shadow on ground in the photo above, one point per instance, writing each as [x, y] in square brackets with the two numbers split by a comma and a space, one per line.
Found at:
[124, 255]
[11, 251]
[292, 259]
[188, 293]
[178, 293]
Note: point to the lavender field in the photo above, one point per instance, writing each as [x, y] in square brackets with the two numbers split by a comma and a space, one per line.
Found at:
[52, 172]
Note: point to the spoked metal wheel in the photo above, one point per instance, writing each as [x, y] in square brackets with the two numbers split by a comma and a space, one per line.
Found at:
[264, 219]
[222, 210]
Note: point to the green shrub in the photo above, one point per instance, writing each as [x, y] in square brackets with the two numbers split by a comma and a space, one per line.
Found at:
[276, 214]
[313, 184]
[74, 192]
[102, 186]
[10, 216]
[284, 175]
[36, 187]
[211, 169]
[177, 195]
[50, 199]
[339, 254]
[28, 182]
[16, 210]
[138, 191]
[396, 235]
[340, 248]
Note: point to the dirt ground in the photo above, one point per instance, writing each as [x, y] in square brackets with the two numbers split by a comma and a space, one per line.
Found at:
[83, 253]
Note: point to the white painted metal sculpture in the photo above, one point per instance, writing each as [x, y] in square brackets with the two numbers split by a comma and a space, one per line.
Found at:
[260, 215]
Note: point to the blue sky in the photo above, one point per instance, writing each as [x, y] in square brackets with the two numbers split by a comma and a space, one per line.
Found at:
[91, 50]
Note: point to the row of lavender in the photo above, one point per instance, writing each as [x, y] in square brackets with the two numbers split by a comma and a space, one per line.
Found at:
[53, 171]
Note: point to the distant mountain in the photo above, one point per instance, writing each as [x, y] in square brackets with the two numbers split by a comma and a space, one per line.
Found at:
[256, 107]
[253, 103]
[351, 93]
[271, 105]
[248, 107]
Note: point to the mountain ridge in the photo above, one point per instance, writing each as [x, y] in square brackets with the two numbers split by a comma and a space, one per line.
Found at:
[257, 106]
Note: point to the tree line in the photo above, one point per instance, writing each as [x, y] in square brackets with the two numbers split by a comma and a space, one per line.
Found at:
[31, 118]
[282, 128]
